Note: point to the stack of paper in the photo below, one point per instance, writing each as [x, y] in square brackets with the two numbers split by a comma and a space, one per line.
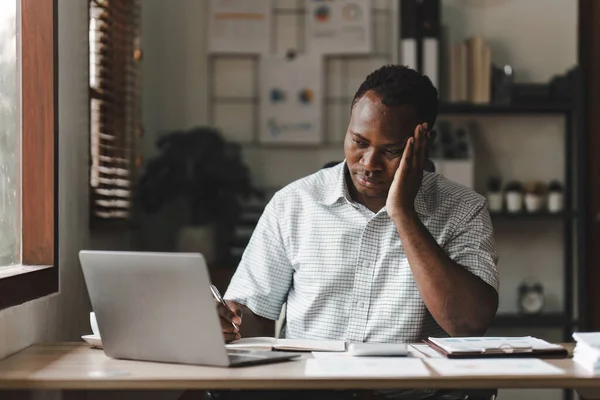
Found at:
[587, 350]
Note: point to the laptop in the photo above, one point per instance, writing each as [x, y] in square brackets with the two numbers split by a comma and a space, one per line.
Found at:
[159, 307]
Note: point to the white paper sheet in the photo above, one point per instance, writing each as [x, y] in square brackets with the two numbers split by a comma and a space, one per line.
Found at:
[342, 367]
[331, 354]
[291, 99]
[492, 366]
[240, 26]
[338, 26]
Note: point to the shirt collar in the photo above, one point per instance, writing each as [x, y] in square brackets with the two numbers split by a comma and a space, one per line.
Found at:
[340, 191]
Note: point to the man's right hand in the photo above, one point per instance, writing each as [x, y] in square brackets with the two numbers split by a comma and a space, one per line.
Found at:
[228, 317]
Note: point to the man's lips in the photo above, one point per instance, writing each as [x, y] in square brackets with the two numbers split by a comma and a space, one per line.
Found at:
[367, 182]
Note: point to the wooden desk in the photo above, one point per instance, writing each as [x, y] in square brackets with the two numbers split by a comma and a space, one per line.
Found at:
[76, 366]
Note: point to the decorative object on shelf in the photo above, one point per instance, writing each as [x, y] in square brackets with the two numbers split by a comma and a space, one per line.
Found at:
[494, 194]
[514, 196]
[531, 297]
[502, 81]
[555, 197]
[535, 196]
[200, 166]
[560, 89]
[453, 154]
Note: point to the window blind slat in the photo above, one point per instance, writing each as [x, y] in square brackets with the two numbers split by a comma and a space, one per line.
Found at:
[115, 90]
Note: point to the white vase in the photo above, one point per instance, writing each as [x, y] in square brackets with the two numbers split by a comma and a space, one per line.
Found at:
[555, 202]
[495, 202]
[514, 201]
[533, 202]
[198, 239]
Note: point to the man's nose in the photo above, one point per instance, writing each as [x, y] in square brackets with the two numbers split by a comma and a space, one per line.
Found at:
[371, 161]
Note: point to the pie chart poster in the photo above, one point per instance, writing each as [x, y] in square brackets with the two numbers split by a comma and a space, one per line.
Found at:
[291, 99]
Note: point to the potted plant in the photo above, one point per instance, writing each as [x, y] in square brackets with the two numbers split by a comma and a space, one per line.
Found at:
[555, 197]
[208, 172]
[535, 194]
[494, 194]
[514, 196]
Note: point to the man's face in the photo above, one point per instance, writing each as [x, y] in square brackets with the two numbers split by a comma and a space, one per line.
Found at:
[374, 143]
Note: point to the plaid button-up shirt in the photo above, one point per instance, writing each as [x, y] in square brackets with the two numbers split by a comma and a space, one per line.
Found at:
[341, 268]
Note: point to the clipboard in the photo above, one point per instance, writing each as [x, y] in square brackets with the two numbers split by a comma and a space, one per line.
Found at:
[506, 350]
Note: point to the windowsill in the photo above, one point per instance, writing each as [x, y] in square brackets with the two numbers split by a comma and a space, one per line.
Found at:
[23, 283]
[14, 270]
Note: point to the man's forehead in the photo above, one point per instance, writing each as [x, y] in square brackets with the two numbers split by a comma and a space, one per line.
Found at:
[370, 107]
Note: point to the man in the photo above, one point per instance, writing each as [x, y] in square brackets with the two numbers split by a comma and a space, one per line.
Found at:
[373, 249]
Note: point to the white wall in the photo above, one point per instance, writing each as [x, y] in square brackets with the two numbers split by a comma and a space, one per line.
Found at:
[63, 316]
[174, 67]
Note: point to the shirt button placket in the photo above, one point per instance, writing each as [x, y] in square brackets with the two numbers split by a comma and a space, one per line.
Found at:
[364, 276]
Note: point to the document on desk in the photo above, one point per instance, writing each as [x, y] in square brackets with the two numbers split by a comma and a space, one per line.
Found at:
[270, 343]
[351, 367]
[492, 367]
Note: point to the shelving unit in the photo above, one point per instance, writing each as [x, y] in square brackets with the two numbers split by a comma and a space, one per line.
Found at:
[573, 230]
[533, 215]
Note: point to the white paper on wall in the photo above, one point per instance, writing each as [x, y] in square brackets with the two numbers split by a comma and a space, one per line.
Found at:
[240, 26]
[291, 99]
[339, 26]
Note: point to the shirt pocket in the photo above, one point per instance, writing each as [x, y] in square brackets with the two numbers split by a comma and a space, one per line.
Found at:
[324, 266]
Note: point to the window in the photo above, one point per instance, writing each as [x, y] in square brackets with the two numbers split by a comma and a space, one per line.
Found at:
[10, 138]
[115, 115]
[28, 142]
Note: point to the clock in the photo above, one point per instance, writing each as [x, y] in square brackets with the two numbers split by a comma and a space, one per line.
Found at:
[531, 297]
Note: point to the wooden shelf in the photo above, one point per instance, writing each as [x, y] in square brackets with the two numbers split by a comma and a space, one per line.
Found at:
[466, 108]
[532, 215]
[527, 321]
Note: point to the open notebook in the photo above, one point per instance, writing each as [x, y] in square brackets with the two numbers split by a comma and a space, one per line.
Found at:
[270, 343]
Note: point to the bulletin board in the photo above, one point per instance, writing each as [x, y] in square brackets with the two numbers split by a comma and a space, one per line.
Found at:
[234, 86]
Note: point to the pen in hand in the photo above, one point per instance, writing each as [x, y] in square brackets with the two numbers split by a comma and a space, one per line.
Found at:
[219, 298]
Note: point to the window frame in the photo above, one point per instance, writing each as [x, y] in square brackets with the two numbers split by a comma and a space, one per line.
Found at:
[38, 275]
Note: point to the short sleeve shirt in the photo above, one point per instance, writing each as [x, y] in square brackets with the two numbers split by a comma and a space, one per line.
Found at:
[341, 269]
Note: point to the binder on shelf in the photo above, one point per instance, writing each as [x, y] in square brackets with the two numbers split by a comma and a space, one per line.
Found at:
[409, 38]
[430, 55]
[492, 347]
[420, 37]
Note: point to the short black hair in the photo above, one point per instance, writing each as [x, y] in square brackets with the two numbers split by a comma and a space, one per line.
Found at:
[401, 85]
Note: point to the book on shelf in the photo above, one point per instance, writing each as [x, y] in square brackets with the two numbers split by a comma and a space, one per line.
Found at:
[470, 71]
